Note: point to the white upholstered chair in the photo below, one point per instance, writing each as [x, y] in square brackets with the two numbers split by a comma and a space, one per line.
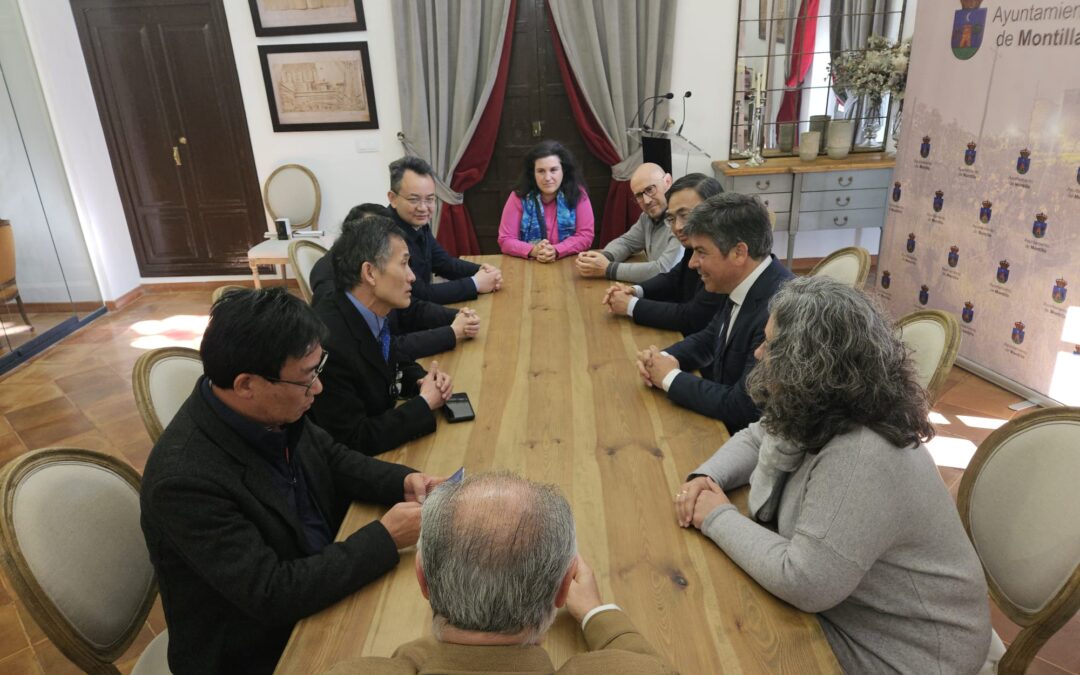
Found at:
[292, 192]
[162, 380]
[1019, 504]
[302, 256]
[849, 265]
[934, 338]
[73, 549]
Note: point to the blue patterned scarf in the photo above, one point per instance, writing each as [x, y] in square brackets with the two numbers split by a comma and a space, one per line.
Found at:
[532, 218]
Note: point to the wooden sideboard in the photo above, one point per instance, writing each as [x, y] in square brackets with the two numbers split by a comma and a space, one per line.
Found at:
[825, 194]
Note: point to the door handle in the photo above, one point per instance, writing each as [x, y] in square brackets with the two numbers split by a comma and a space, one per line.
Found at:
[847, 200]
[537, 128]
[176, 156]
[840, 180]
[838, 221]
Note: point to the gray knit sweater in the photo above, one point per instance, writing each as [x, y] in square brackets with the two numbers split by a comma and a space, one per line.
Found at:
[662, 250]
[869, 539]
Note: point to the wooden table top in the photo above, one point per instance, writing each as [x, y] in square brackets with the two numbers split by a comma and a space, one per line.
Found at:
[558, 399]
[772, 165]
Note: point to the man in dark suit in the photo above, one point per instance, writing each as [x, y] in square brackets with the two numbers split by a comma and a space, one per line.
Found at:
[412, 198]
[367, 374]
[497, 559]
[731, 236]
[421, 329]
[674, 300]
[242, 496]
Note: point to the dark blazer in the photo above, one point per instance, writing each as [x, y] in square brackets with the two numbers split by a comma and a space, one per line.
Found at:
[723, 394]
[428, 257]
[677, 300]
[356, 405]
[421, 329]
[230, 553]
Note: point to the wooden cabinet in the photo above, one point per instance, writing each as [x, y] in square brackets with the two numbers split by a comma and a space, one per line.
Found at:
[813, 196]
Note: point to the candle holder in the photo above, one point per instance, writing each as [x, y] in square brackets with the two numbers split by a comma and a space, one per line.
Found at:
[756, 137]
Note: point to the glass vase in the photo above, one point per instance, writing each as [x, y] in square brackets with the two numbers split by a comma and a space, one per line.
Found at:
[872, 123]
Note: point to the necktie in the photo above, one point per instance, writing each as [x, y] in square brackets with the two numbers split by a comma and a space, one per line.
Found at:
[721, 338]
[384, 340]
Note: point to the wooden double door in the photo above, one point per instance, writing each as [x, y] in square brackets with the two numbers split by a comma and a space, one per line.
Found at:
[536, 108]
[168, 95]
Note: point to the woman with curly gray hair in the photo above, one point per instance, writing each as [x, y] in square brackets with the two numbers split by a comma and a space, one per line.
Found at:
[866, 534]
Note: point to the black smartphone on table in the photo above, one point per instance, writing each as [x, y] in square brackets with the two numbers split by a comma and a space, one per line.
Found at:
[458, 408]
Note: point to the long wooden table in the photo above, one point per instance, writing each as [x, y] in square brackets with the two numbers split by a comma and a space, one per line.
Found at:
[558, 399]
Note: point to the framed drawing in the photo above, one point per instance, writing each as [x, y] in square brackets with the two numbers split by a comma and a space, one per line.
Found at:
[319, 87]
[295, 17]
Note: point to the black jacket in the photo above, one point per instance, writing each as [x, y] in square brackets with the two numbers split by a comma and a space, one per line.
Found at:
[357, 405]
[428, 257]
[230, 553]
[421, 329]
[723, 395]
[677, 300]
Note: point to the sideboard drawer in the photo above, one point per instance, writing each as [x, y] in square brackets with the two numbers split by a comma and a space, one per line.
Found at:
[756, 185]
[830, 200]
[841, 220]
[782, 222]
[779, 202]
[847, 180]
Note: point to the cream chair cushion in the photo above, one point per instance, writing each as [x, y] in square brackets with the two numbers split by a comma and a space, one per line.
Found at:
[303, 255]
[77, 525]
[171, 381]
[845, 269]
[927, 340]
[1025, 514]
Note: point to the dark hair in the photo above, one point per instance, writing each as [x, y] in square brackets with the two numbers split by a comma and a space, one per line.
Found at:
[572, 184]
[730, 217]
[256, 331]
[835, 363]
[361, 241]
[398, 167]
[367, 210]
[704, 186]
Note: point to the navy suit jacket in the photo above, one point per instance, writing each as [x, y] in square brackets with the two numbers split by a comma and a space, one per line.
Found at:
[428, 257]
[421, 329]
[677, 300]
[722, 394]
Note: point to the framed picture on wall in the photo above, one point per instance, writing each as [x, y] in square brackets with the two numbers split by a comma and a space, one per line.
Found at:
[319, 87]
[297, 17]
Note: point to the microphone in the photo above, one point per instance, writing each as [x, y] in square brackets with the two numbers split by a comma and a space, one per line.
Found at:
[641, 108]
[656, 104]
[684, 97]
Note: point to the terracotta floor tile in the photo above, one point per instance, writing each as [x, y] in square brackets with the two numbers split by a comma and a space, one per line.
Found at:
[5, 596]
[37, 372]
[126, 430]
[98, 380]
[29, 625]
[137, 453]
[1042, 667]
[118, 405]
[41, 424]
[17, 396]
[22, 662]
[144, 638]
[156, 618]
[949, 475]
[53, 661]
[12, 636]
[89, 440]
[11, 446]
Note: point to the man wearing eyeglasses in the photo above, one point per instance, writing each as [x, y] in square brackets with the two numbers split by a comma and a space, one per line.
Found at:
[368, 373]
[412, 199]
[242, 495]
[649, 234]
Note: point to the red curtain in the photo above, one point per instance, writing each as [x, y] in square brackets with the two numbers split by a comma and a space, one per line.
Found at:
[620, 209]
[802, 56]
[456, 232]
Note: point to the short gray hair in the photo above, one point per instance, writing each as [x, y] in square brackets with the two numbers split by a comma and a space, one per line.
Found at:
[495, 549]
[361, 241]
[730, 217]
[835, 363]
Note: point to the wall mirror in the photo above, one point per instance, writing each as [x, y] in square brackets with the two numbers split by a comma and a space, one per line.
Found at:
[785, 49]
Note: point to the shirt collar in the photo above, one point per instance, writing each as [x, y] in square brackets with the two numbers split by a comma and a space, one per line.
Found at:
[739, 294]
[373, 320]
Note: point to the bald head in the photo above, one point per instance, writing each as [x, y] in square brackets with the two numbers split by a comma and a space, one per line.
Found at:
[649, 184]
[494, 551]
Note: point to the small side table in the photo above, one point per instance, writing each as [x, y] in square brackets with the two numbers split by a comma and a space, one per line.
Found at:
[269, 252]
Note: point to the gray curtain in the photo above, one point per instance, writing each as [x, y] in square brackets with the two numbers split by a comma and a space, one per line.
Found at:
[619, 52]
[448, 56]
[850, 26]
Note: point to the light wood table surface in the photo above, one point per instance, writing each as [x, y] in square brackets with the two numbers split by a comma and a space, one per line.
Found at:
[558, 399]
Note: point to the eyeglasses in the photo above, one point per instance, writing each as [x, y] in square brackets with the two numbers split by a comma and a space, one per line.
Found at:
[314, 376]
[649, 192]
[417, 201]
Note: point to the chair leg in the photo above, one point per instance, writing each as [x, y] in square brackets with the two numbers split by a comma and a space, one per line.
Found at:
[22, 311]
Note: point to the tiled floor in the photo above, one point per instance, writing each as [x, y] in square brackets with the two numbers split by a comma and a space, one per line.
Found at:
[78, 393]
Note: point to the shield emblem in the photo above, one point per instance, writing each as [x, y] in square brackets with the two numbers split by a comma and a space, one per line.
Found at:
[985, 212]
[954, 256]
[1060, 291]
[1078, 175]
[924, 149]
[1018, 332]
[968, 313]
[939, 200]
[896, 189]
[924, 295]
[911, 243]
[1023, 162]
[886, 279]
[1003, 271]
[969, 154]
[967, 32]
[1038, 227]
